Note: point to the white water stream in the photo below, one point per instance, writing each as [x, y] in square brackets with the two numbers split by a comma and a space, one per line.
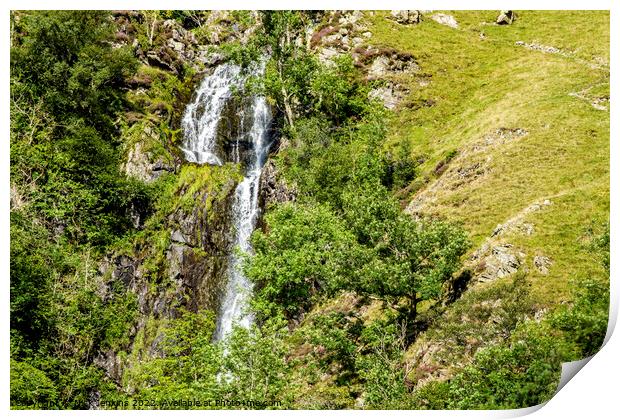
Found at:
[200, 124]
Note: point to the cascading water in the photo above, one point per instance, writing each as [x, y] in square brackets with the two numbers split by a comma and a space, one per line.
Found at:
[245, 213]
[201, 118]
[200, 124]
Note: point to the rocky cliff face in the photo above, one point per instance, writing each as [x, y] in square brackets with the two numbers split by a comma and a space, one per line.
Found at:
[182, 268]
[180, 261]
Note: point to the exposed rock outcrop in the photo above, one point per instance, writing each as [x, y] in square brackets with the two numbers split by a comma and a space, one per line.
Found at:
[384, 62]
[390, 95]
[184, 275]
[406, 17]
[273, 189]
[141, 164]
[505, 17]
[497, 261]
[446, 20]
[343, 32]
[542, 264]
[466, 167]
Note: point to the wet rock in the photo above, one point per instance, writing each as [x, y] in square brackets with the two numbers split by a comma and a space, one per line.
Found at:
[188, 275]
[446, 20]
[233, 141]
[505, 17]
[406, 17]
[542, 264]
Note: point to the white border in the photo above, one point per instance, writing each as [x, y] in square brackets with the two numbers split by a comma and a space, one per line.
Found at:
[592, 393]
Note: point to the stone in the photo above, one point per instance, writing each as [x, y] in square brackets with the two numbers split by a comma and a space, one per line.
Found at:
[156, 60]
[390, 62]
[505, 17]
[502, 262]
[140, 165]
[110, 363]
[177, 236]
[272, 189]
[94, 399]
[406, 17]
[350, 17]
[327, 54]
[542, 264]
[444, 19]
[379, 67]
[526, 228]
[539, 47]
[176, 45]
[390, 95]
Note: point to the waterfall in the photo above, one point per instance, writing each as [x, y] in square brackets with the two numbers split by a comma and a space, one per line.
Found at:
[200, 123]
[201, 118]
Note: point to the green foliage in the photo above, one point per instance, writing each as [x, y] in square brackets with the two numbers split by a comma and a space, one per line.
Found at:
[307, 249]
[256, 365]
[62, 59]
[71, 202]
[338, 92]
[30, 387]
[32, 276]
[522, 374]
[585, 320]
[370, 249]
[249, 365]
[381, 368]
[64, 69]
[524, 370]
[346, 237]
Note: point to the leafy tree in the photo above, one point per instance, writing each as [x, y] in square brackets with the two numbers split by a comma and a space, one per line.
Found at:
[289, 71]
[306, 249]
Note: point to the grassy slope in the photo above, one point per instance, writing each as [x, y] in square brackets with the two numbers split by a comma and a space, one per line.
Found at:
[479, 84]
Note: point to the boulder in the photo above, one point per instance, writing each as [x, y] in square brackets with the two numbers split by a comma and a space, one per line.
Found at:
[406, 17]
[506, 17]
[501, 262]
[542, 264]
[390, 95]
[444, 19]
